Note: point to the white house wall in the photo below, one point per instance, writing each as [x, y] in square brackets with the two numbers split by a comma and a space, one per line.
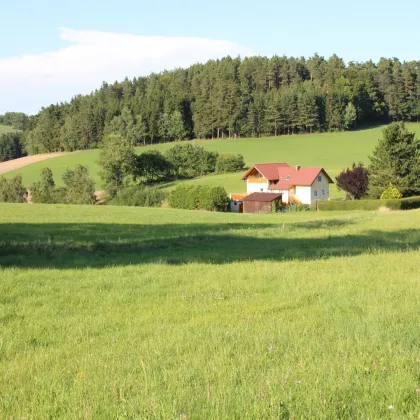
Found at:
[285, 195]
[252, 187]
[303, 194]
[320, 190]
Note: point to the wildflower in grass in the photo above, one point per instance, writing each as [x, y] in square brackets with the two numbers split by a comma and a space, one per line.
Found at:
[298, 382]
[80, 376]
[271, 348]
[390, 407]
[285, 382]
[299, 365]
[418, 390]
[374, 363]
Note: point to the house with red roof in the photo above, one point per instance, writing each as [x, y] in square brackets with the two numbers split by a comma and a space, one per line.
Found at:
[306, 185]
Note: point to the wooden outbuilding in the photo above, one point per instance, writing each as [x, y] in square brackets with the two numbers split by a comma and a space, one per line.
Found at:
[236, 204]
[260, 202]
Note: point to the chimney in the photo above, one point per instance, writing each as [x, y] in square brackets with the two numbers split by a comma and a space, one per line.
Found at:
[297, 167]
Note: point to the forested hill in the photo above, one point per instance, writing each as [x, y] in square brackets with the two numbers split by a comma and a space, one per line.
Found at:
[233, 97]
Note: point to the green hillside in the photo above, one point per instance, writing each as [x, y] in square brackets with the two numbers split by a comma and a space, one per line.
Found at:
[117, 312]
[332, 151]
[5, 129]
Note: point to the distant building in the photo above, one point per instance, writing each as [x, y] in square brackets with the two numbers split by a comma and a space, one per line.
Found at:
[298, 184]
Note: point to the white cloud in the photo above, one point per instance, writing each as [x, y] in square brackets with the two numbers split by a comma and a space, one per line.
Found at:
[31, 81]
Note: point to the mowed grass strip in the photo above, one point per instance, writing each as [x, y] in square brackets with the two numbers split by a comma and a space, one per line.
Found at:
[333, 151]
[160, 313]
[6, 129]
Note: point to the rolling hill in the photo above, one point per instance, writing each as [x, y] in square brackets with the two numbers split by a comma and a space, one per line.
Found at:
[333, 151]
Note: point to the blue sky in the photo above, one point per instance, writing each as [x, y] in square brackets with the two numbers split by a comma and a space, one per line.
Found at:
[77, 61]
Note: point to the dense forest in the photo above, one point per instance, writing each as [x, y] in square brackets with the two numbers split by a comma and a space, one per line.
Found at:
[233, 97]
[11, 146]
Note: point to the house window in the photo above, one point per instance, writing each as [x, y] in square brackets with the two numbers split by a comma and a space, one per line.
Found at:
[319, 178]
[323, 192]
[316, 193]
[288, 177]
[261, 189]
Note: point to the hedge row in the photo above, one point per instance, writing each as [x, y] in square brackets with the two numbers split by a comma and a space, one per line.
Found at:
[140, 196]
[401, 204]
[199, 197]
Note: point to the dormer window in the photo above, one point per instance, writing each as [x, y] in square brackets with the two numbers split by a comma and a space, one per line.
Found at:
[287, 177]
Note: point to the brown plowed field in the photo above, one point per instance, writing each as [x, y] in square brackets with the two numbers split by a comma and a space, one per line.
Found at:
[11, 165]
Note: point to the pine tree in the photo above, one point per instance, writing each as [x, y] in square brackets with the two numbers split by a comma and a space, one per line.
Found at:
[396, 159]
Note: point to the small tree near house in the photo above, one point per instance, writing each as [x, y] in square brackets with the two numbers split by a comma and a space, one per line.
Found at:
[354, 181]
[391, 193]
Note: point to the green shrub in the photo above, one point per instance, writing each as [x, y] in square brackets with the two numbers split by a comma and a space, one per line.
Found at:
[152, 166]
[139, 196]
[229, 163]
[185, 197]
[217, 199]
[276, 205]
[43, 191]
[401, 204]
[350, 205]
[12, 190]
[190, 160]
[199, 197]
[299, 207]
[391, 193]
[60, 195]
[80, 188]
[410, 203]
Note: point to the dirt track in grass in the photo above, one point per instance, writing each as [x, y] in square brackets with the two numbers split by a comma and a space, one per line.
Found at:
[11, 165]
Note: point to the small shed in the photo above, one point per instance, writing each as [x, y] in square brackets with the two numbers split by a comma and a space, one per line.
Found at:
[260, 202]
[236, 204]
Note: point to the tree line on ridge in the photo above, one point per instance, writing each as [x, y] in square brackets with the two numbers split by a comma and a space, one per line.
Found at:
[232, 97]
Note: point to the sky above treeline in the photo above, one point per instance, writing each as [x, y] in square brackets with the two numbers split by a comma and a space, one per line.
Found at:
[52, 50]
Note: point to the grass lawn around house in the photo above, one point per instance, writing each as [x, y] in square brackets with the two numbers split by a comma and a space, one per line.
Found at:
[110, 312]
[333, 151]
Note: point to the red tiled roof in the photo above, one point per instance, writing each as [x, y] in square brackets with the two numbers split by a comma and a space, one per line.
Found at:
[287, 176]
[262, 196]
[237, 196]
[268, 170]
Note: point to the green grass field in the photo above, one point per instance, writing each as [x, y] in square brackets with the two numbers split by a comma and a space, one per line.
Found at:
[5, 129]
[113, 312]
[333, 151]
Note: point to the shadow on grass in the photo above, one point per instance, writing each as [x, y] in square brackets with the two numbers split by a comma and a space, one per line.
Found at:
[103, 245]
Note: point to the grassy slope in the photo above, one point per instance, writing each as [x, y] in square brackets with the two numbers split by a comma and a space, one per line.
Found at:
[331, 150]
[5, 129]
[125, 312]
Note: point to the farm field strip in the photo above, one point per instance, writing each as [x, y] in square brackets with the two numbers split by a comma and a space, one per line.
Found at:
[17, 164]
